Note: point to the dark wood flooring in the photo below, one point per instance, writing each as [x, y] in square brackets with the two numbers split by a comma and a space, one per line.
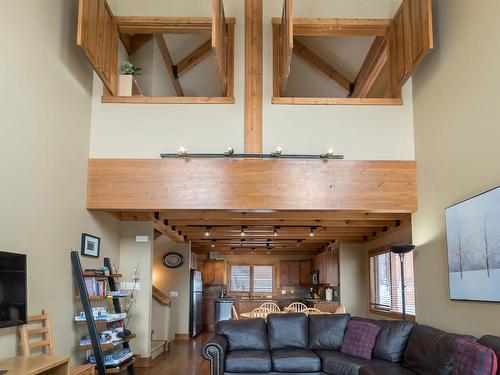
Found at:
[184, 358]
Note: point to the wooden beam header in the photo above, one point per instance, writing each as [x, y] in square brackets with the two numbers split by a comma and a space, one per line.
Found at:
[338, 26]
[166, 25]
[251, 184]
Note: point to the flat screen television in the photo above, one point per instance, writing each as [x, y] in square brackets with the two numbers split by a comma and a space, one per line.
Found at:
[13, 293]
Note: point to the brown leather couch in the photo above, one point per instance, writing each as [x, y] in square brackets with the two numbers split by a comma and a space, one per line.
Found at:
[297, 344]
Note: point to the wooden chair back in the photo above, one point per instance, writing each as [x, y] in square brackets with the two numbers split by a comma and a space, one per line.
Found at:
[312, 311]
[260, 313]
[42, 332]
[340, 310]
[297, 307]
[235, 313]
[271, 306]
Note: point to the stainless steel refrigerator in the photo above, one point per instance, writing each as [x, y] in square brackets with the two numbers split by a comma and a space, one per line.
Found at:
[196, 304]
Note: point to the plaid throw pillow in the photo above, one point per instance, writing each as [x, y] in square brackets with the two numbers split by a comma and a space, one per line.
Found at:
[471, 358]
[360, 339]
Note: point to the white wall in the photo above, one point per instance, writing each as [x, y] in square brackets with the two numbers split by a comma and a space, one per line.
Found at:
[144, 131]
[132, 254]
[456, 134]
[44, 143]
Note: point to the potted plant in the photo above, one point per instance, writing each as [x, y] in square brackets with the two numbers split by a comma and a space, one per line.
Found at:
[127, 84]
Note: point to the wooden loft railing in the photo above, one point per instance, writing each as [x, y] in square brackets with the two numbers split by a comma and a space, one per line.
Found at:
[99, 32]
[161, 298]
[400, 45]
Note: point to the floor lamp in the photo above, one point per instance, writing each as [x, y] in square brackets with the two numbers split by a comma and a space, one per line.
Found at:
[402, 250]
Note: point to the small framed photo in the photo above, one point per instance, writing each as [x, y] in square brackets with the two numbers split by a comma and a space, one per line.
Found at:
[91, 245]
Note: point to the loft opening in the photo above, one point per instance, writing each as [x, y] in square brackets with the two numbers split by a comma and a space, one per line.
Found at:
[172, 52]
[361, 61]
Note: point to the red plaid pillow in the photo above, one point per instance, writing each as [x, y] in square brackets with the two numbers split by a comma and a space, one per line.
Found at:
[360, 339]
[471, 358]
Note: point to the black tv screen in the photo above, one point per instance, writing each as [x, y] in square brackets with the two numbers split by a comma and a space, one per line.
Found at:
[12, 289]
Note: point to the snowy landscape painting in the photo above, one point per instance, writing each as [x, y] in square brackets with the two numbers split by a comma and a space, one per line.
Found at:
[473, 236]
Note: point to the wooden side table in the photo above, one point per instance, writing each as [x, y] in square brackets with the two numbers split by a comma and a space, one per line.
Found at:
[45, 365]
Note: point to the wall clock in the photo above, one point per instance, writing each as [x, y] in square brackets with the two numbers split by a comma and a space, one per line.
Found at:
[173, 260]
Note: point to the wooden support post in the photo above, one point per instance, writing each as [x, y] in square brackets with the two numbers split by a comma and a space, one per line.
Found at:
[253, 76]
[169, 65]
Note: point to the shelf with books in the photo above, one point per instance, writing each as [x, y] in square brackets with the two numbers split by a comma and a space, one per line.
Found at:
[122, 367]
[110, 345]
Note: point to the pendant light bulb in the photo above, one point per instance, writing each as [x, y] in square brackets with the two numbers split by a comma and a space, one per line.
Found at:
[183, 151]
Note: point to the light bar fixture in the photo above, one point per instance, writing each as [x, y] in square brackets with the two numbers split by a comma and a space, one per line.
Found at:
[213, 244]
[311, 231]
[207, 231]
[242, 233]
[330, 154]
[275, 232]
[229, 153]
[183, 152]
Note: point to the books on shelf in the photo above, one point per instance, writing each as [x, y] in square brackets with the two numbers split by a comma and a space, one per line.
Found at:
[114, 357]
[95, 287]
[108, 317]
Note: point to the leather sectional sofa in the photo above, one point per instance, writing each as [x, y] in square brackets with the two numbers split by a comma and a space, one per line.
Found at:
[298, 344]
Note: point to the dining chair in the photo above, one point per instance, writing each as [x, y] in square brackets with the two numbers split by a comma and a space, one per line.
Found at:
[260, 312]
[271, 306]
[340, 310]
[297, 307]
[43, 331]
[312, 311]
[235, 313]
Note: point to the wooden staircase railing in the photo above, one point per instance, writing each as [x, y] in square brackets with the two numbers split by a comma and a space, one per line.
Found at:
[161, 297]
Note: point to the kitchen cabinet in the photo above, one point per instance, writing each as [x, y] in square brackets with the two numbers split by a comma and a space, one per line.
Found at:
[209, 312]
[290, 273]
[305, 272]
[327, 264]
[214, 272]
[194, 262]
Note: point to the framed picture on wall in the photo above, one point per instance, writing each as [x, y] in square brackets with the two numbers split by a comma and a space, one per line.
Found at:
[473, 237]
[91, 245]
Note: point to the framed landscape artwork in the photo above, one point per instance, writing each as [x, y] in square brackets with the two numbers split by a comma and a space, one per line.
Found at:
[473, 237]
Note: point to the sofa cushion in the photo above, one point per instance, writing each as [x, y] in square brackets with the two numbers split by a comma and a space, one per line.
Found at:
[336, 363]
[395, 369]
[392, 338]
[244, 334]
[295, 360]
[429, 351]
[257, 361]
[288, 331]
[360, 339]
[492, 342]
[326, 332]
[470, 357]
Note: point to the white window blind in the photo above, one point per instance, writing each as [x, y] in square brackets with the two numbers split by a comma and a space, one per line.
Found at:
[250, 278]
[385, 283]
[240, 278]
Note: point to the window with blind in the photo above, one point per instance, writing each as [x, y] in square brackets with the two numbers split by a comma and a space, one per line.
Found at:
[385, 284]
[251, 279]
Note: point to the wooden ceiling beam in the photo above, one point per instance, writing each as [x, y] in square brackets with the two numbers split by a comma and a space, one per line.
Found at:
[169, 65]
[282, 223]
[166, 25]
[160, 226]
[372, 67]
[338, 26]
[194, 58]
[133, 42]
[316, 62]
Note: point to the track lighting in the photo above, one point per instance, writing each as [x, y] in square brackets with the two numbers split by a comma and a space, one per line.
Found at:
[242, 242]
[276, 231]
[329, 154]
[253, 250]
[242, 231]
[299, 243]
[311, 232]
[277, 153]
[213, 244]
[183, 151]
[232, 250]
[207, 231]
[229, 151]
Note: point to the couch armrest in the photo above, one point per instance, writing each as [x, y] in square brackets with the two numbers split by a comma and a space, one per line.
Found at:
[215, 351]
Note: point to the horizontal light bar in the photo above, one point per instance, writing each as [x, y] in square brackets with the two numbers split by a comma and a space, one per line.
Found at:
[252, 156]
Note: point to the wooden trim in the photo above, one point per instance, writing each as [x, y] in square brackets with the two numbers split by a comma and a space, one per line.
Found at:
[251, 264]
[337, 101]
[276, 61]
[286, 44]
[167, 100]
[392, 314]
[338, 26]
[230, 61]
[169, 65]
[160, 184]
[182, 336]
[194, 58]
[133, 42]
[373, 65]
[161, 297]
[253, 76]
[219, 43]
[313, 60]
[166, 25]
[167, 231]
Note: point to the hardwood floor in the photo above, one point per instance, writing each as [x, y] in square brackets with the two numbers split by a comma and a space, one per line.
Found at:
[184, 358]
